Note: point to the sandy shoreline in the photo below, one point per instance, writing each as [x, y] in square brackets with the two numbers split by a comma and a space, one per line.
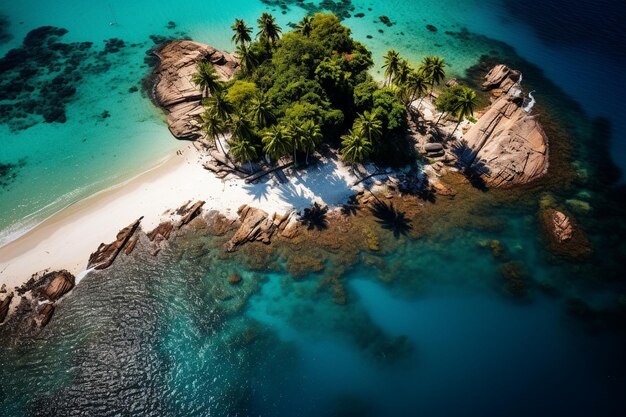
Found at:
[65, 240]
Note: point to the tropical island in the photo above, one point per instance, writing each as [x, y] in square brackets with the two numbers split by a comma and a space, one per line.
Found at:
[290, 108]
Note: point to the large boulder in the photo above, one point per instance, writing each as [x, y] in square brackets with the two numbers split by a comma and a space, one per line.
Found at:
[507, 146]
[501, 77]
[175, 92]
[60, 284]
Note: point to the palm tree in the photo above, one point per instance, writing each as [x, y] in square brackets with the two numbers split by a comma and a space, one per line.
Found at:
[309, 135]
[214, 126]
[261, 111]
[246, 58]
[244, 150]
[277, 142]
[417, 85]
[242, 139]
[355, 147]
[268, 28]
[434, 68]
[402, 73]
[207, 79]
[242, 32]
[465, 106]
[392, 61]
[369, 126]
[305, 26]
[219, 104]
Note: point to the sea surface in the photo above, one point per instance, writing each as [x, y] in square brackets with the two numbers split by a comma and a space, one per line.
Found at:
[431, 332]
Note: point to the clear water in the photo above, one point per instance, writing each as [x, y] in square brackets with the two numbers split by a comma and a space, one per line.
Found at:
[427, 330]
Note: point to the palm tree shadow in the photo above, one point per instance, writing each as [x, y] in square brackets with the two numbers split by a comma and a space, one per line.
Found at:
[351, 207]
[472, 167]
[314, 217]
[293, 196]
[391, 219]
[258, 191]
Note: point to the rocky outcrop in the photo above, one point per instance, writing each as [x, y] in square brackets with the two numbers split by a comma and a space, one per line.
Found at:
[4, 307]
[104, 256]
[564, 235]
[36, 301]
[45, 314]
[176, 93]
[256, 225]
[190, 213]
[507, 146]
[60, 284]
[501, 77]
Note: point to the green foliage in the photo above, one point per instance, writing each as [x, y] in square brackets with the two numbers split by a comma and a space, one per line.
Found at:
[207, 79]
[241, 93]
[277, 142]
[355, 148]
[390, 109]
[364, 95]
[449, 98]
[308, 86]
[242, 32]
[328, 31]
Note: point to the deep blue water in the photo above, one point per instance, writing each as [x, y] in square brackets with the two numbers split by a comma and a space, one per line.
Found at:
[433, 334]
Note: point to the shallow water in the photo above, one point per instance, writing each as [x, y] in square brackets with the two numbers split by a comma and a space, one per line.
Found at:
[429, 326]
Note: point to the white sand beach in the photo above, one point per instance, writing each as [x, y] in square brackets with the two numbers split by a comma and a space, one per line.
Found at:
[65, 240]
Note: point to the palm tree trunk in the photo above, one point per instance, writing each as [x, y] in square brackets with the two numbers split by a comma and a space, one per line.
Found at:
[455, 128]
[442, 114]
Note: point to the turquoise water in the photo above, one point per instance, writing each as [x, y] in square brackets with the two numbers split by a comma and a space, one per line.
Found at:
[169, 336]
[430, 326]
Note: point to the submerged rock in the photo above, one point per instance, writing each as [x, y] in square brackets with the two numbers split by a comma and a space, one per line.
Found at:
[507, 146]
[173, 89]
[104, 256]
[234, 279]
[564, 236]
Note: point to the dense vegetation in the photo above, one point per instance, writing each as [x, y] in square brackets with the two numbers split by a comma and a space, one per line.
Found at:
[311, 86]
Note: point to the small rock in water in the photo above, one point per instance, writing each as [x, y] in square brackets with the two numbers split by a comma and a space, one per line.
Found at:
[431, 28]
[171, 25]
[234, 279]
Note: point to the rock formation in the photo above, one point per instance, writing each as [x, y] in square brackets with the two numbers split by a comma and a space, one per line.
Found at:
[501, 77]
[564, 236]
[507, 145]
[36, 301]
[256, 225]
[4, 307]
[61, 283]
[104, 256]
[190, 213]
[175, 92]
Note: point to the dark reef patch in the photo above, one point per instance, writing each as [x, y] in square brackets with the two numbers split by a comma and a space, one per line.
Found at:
[341, 8]
[39, 78]
[8, 172]
[5, 35]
